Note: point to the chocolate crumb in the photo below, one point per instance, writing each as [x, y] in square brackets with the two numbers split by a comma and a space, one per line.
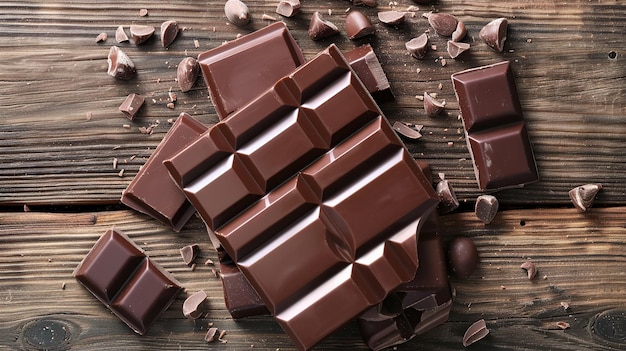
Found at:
[121, 173]
[432, 107]
[196, 43]
[210, 334]
[170, 105]
[63, 286]
[268, 17]
[530, 268]
[214, 272]
[26, 208]
[193, 267]
[475, 332]
[143, 12]
[115, 163]
[565, 305]
[120, 35]
[208, 262]
[101, 38]
[562, 325]
[89, 116]
[222, 334]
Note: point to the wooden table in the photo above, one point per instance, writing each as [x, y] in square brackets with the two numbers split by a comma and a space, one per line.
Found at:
[60, 131]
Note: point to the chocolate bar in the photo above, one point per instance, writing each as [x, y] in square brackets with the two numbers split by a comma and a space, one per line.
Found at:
[494, 127]
[152, 191]
[124, 279]
[237, 71]
[312, 176]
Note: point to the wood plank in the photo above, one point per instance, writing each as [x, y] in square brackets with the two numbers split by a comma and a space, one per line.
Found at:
[580, 256]
[53, 76]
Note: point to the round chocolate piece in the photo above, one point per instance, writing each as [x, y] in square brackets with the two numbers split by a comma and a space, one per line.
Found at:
[462, 257]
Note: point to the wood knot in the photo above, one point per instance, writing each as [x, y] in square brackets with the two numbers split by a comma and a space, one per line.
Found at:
[610, 326]
[46, 334]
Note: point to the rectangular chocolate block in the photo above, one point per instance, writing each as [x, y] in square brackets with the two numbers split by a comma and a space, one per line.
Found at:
[238, 71]
[152, 191]
[365, 64]
[125, 280]
[494, 127]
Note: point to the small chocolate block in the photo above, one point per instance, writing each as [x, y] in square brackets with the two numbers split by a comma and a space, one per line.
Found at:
[131, 105]
[365, 64]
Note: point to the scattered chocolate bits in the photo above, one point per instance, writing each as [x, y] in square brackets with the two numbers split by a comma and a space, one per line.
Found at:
[418, 47]
[193, 307]
[486, 208]
[462, 257]
[211, 334]
[189, 253]
[584, 195]
[120, 65]
[447, 197]
[237, 12]
[530, 268]
[392, 17]
[187, 72]
[131, 105]
[457, 48]
[102, 37]
[443, 24]
[494, 34]
[562, 325]
[120, 35]
[169, 31]
[565, 305]
[143, 12]
[460, 32]
[358, 25]
[406, 131]
[432, 106]
[475, 332]
[320, 28]
[288, 8]
[141, 33]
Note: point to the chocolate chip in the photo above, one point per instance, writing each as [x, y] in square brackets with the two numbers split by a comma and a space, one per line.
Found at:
[562, 325]
[193, 307]
[130, 107]
[583, 196]
[320, 28]
[120, 65]
[358, 25]
[392, 17]
[432, 106]
[210, 334]
[444, 24]
[120, 35]
[102, 37]
[187, 73]
[460, 32]
[237, 12]
[447, 197]
[418, 47]
[494, 34]
[462, 257]
[456, 48]
[169, 31]
[189, 253]
[406, 131]
[288, 8]
[530, 268]
[475, 332]
[143, 12]
[486, 208]
[368, 3]
[141, 33]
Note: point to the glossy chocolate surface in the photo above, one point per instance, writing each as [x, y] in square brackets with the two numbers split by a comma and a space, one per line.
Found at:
[122, 277]
[312, 174]
[152, 191]
[238, 71]
[495, 128]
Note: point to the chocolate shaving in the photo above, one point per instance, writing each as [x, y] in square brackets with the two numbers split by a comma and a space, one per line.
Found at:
[189, 253]
[406, 131]
[530, 268]
[584, 195]
[475, 332]
[320, 28]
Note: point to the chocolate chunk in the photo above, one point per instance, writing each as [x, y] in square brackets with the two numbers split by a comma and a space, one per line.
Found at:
[447, 197]
[444, 24]
[169, 31]
[475, 332]
[432, 106]
[152, 191]
[494, 124]
[237, 12]
[368, 3]
[120, 35]
[462, 257]
[131, 105]
[120, 65]
[126, 281]
[358, 25]
[320, 28]
[141, 33]
[392, 17]
[583, 196]
[486, 208]
[187, 73]
[460, 32]
[211, 334]
[530, 268]
[239, 296]
[101, 38]
[189, 253]
[342, 156]
[288, 8]
[456, 48]
[231, 70]
[406, 131]
[365, 64]
[418, 47]
[194, 305]
[494, 34]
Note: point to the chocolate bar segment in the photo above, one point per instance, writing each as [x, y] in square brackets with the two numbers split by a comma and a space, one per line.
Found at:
[152, 191]
[364, 62]
[122, 277]
[238, 71]
[239, 296]
[315, 177]
[494, 126]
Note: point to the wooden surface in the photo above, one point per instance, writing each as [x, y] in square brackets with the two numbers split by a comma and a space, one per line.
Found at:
[60, 131]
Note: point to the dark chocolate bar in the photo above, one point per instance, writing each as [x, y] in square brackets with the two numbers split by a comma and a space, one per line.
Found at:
[494, 127]
[124, 279]
[152, 191]
[311, 176]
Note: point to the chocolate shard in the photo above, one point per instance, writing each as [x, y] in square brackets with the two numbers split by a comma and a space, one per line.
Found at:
[392, 18]
[288, 8]
[406, 131]
[120, 35]
[494, 34]
[237, 12]
[358, 25]
[447, 197]
[475, 332]
[194, 305]
[432, 106]
[530, 268]
[187, 73]
[456, 48]
[486, 208]
[443, 24]
[131, 105]
[418, 47]
[460, 32]
[462, 257]
[141, 33]
[189, 253]
[583, 196]
[211, 334]
[320, 28]
[169, 32]
[120, 65]
[364, 62]
[102, 37]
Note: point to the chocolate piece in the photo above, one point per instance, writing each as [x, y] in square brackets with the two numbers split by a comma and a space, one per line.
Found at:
[239, 296]
[237, 12]
[530, 268]
[131, 105]
[583, 196]
[447, 197]
[231, 71]
[169, 31]
[494, 126]
[486, 208]
[120, 65]
[444, 24]
[187, 73]
[189, 253]
[475, 332]
[391, 17]
[210, 334]
[364, 62]
[152, 191]
[102, 37]
[455, 48]
[562, 325]
[318, 206]
[494, 34]
[125, 280]
[460, 32]
[418, 47]
[120, 35]
[288, 8]
[143, 12]
[406, 131]
[358, 25]
[320, 28]
[141, 33]
[432, 106]
[462, 257]
[193, 307]
[368, 3]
